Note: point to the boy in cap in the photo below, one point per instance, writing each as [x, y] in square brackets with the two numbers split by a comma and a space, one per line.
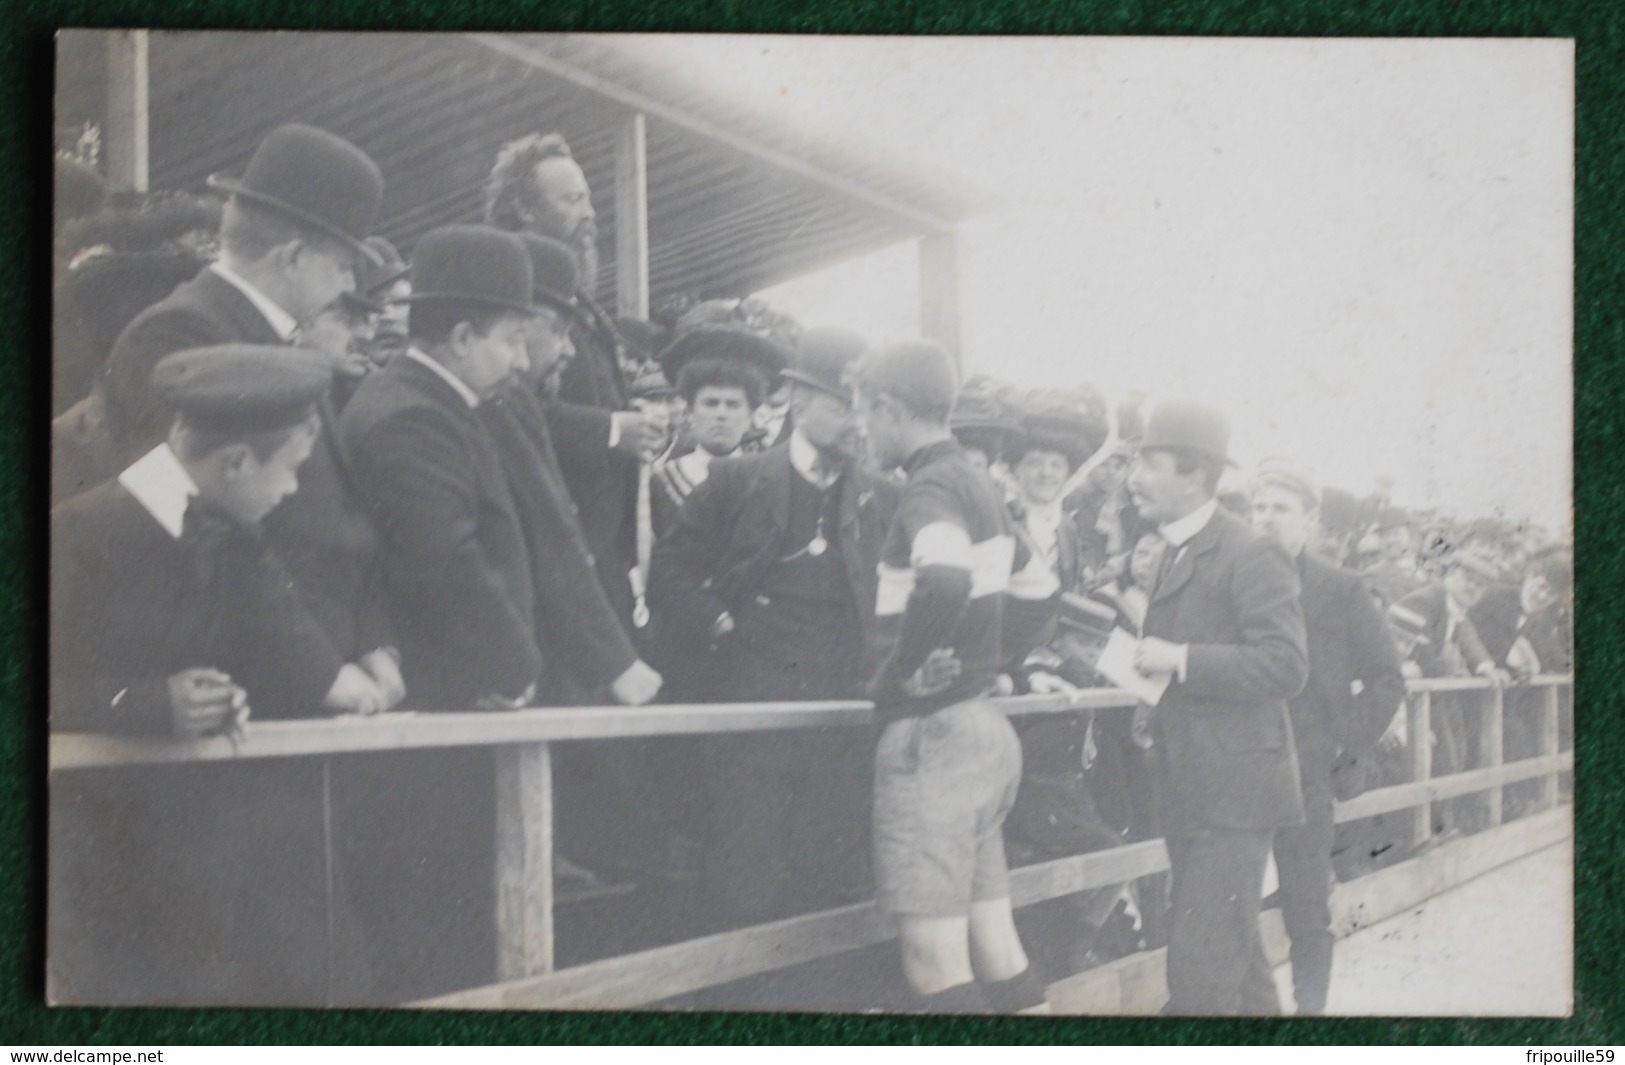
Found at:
[771, 561]
[171, 618]
[1225, 627]
[1354, 688]
[948, 764]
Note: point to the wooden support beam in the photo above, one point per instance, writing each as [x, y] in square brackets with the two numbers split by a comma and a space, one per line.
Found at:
[1419, 737]
[524, 874]
[125, 132]
[632, 219]
[1549, 710]
[1491, 751]
[939, 292]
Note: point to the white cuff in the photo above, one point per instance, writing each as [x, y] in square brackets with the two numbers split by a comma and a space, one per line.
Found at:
[1184, 661]
[614, 431]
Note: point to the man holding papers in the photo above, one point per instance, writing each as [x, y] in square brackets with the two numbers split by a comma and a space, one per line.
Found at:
[1225, 627]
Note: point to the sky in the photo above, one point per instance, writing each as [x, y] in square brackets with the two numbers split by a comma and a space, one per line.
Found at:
[1360, 250]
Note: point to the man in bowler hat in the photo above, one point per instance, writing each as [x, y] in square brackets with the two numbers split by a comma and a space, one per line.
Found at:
[772, 562]
[291, 237]
[459, 576]
[1225, 627]
[171, 618]
[1354, 688]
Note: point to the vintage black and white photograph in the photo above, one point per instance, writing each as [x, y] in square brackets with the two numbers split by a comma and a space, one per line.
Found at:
[920, 525]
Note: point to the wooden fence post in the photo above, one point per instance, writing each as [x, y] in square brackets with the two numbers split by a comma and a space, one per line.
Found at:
[1491, 749]
[1548, 745]
[1419, 735]
[524, 874]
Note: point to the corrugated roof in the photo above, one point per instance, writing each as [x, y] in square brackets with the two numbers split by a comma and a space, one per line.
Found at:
[737, 200]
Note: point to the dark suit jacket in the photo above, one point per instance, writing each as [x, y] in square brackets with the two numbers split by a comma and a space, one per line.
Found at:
[602, 481]
[731, 532]
[1348, 642]
[1223, 736]
[205, 310]
[1440, 658]
[455, 559]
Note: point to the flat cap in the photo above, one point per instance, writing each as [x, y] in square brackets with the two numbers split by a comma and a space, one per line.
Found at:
[1281, 473]
[243, 388]
[920, 373]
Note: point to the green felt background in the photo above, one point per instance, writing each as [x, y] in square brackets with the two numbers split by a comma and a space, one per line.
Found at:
[26, 27]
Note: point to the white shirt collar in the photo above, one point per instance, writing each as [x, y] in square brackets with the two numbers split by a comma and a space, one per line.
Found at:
[285, 324]
[469, 395]
[808, 462]
[162, 486]
[1179, 531]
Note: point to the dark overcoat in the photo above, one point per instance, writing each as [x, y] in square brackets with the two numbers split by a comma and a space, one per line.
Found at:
[577, 629]
[1223, 734]
[1348, 642]
[603, 481]
[456, 563]
[202, 312]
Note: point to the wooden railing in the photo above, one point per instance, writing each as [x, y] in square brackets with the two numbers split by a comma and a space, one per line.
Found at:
[524, 855]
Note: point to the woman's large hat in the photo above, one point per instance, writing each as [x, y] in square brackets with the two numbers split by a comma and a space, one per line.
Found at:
[314, 179]
[715, 328]
[1063, 430]
[474, 265]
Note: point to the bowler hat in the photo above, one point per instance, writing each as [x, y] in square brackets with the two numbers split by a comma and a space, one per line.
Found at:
[1189, 426]
[822, 358]
[242, 388]
[553, 271]
[1062, 430]
[717, 328]
[373, 281]
[474, 265]
[314, 179]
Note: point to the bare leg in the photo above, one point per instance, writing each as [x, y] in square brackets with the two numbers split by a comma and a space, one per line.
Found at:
[995, 946]
[936, 951]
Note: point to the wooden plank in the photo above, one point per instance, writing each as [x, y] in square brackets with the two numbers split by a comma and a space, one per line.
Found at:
[403, 731]
[524, 860]
[407, 731]
[632, 218]
[127, 110]
[683, 967]
[1549, 710]
[1067, 876]
[939, 291]
[1401, 796]
[1419, 735]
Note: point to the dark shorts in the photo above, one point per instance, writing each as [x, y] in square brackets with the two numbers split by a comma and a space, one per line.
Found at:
[943, 785]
